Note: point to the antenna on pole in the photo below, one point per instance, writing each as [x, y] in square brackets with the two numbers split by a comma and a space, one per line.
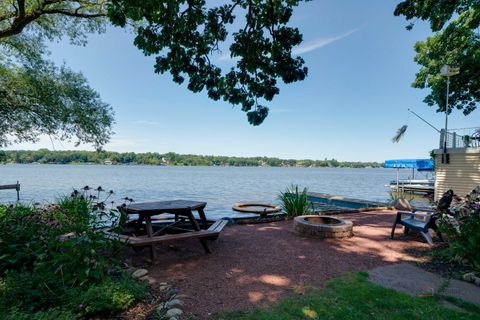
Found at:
[431, 125]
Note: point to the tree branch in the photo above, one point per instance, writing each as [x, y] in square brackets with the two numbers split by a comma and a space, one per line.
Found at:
[22, 19]
[74, 13]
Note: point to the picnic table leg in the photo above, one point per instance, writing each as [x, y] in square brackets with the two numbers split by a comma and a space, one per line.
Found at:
[196, 227]
[203, 218]
[148, 225]
[138, 225]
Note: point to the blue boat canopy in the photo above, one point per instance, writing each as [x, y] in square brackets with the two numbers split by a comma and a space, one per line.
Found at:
[420, 164]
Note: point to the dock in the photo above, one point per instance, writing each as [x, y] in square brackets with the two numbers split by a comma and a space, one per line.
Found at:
[15, 186]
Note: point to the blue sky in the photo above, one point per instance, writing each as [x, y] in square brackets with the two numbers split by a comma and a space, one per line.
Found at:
[360, 60]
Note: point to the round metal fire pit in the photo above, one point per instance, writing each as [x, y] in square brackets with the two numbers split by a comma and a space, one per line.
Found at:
[322, 227]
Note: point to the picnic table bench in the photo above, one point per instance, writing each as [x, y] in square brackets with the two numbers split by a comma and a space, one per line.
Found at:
[181, 211]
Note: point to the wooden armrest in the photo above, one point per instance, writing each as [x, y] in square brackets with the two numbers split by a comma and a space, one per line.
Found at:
[423, 210]
[413, 214]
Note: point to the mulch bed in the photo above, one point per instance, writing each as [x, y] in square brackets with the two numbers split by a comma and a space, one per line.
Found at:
[438, 262]
[255, 265]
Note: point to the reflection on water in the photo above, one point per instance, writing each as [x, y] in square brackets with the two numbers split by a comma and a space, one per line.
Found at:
[220, 187]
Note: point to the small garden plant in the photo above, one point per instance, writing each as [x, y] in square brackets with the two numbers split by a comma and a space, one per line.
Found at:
[294, 202]
[462, 229]
[56, 264]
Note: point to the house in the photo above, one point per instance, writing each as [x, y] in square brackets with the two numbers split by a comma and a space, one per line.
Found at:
[457, 162]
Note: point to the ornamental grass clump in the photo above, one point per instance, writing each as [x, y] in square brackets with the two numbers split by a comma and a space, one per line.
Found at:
[294, 202]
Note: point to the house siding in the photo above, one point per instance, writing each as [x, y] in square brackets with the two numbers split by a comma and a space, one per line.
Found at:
[461, 175]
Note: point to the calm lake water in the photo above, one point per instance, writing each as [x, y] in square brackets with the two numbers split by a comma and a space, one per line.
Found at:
[220, 187]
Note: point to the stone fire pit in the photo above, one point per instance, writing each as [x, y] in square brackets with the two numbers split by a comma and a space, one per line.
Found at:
[315, 226]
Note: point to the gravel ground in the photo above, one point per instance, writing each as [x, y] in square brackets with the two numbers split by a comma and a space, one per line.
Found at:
[255, 265]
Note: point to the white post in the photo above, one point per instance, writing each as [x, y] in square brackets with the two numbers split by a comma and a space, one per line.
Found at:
[447, 71]
[398, 171]
[446, 117]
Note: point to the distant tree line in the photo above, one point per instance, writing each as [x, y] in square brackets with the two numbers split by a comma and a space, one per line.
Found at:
[170, 158]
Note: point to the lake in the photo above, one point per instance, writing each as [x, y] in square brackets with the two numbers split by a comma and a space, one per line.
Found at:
[220, 187]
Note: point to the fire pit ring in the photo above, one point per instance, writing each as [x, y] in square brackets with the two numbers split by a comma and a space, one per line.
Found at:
[315, 226]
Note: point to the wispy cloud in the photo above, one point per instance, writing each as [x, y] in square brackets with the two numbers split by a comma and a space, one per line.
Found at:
[321, 42]
[304, 48]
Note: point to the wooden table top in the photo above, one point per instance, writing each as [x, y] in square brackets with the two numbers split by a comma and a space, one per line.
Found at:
[158, 207]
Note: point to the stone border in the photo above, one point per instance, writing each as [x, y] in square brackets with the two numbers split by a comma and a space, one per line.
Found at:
[170, 309]
[303, 227]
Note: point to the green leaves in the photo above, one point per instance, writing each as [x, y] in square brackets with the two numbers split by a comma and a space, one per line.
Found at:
[185, 36]
[294, 202]
[54, 256]
[463, 229]
[456, 42]
[37, 97]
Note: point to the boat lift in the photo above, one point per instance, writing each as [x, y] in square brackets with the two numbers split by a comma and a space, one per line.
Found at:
[412, 185]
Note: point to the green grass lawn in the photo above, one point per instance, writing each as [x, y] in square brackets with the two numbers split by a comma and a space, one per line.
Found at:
[353, 297]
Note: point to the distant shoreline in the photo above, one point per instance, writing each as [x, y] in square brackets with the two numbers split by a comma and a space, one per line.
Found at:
[45, 156]
[176, 165]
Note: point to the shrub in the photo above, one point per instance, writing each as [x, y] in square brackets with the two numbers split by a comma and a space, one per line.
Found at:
[52, 314]
[108, 297]
[31, 291]
[52, 252]
[463, 229]
[294, 202]
[61, 239]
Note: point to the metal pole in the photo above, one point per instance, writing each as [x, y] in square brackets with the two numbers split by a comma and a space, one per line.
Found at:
[446, 117]
[425, 121]
[398, 189]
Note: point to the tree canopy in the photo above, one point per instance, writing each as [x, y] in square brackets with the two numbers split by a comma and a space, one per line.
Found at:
[38, 97]
[456, 42]
[184, 34]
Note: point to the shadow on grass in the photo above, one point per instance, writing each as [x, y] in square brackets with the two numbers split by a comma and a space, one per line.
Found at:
[354, 297]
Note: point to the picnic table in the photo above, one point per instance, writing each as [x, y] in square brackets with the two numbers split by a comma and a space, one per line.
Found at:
[182, 211]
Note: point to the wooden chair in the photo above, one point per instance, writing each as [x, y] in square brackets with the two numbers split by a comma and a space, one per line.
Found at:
[421, 222]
